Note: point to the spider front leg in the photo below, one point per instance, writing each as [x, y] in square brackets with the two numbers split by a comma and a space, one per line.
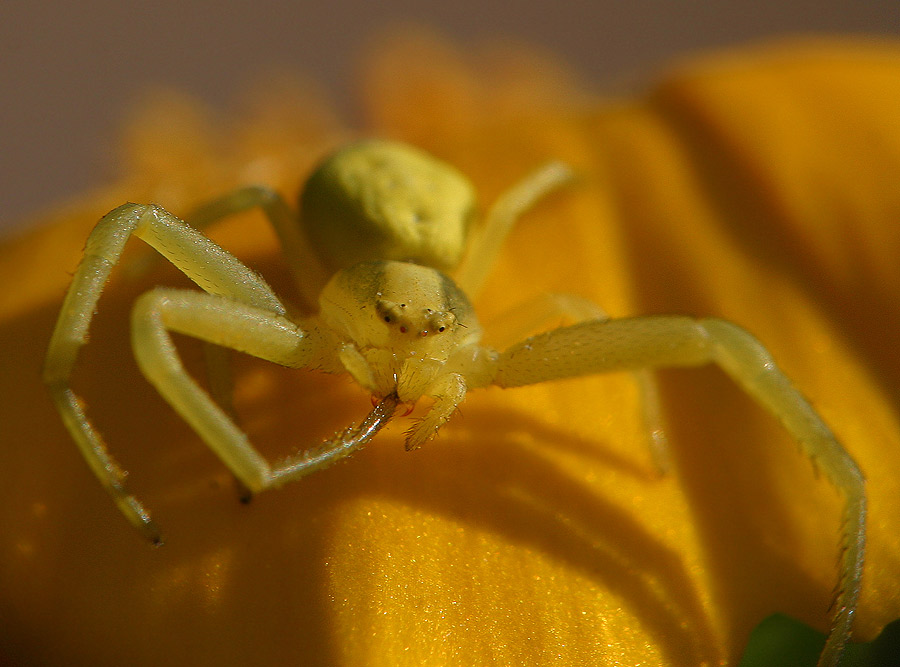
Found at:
[199, 258]
[538, 313]
[304, 265]
[253, 331]
[658, 342]
[307, 272]
[241, 298]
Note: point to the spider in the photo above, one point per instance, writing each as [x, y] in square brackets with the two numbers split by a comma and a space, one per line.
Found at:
[380, 224]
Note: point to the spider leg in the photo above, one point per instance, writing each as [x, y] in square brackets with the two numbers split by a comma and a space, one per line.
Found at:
[485, 243]
[221, 389]
[309, 276]
[343, 445]
[547, 310]
[203, 261]
[253, 331]
[295, 253]
[226, 323]
[671, 341]
[305, 268]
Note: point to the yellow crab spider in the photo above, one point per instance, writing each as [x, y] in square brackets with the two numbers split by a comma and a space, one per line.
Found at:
[383, 222]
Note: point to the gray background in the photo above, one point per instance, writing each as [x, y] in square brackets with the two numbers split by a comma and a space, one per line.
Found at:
[68, 71]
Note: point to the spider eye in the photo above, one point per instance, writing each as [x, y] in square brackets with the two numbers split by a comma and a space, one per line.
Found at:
[441, 321]
[387, 318]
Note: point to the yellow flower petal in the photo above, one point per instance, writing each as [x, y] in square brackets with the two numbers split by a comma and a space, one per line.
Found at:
[758, 186]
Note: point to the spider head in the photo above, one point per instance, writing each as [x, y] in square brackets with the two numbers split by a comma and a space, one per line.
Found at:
[407, 309]
[405, 321]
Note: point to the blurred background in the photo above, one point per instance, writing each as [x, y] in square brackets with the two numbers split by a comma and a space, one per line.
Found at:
[70, 71]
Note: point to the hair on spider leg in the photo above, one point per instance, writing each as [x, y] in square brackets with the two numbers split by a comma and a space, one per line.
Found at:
[343, 444]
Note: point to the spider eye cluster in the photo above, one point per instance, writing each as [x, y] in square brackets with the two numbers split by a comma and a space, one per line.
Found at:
[405, 318]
